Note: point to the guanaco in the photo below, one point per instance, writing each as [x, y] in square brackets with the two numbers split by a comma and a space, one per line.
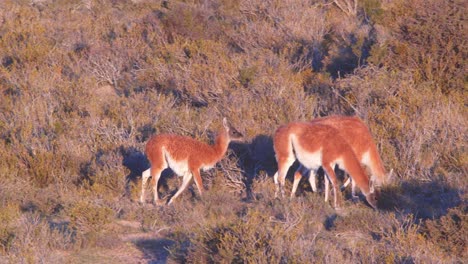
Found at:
[314, 146]
[357, 135]
[186, 157]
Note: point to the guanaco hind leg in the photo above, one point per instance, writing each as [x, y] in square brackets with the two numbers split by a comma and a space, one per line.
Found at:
[353, 187]
[327, 186]
[275, 178]
[332, 178]
[186, 180]
[154, 182]
[156, 174]
[303, 171]
[144, 180]
[198, 181]
[280, 176]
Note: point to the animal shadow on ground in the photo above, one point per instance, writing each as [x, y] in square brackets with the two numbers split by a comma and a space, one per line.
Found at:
[241, 151]
[136, 162]
[425, 200]
[263, 154]
[254, 157]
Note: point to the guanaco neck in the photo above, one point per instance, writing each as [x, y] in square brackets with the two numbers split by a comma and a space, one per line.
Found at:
[221, 144]
[380, 174]
[353, 167]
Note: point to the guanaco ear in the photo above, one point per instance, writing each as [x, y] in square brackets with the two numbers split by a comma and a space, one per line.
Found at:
[390, 175]
[225, 124]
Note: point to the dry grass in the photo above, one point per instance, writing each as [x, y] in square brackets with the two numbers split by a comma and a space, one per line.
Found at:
[84, 84]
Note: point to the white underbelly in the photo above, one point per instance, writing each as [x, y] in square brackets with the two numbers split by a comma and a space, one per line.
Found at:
[310, 160]
[179, 167]
[207, 167]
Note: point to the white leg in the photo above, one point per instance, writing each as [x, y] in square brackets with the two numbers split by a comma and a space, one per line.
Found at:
[346, 183]
[282, 172]
[281, 180]
[312, 180]
[297, 178]
[185, 182]
[332, 179]
[303, 171]
[155, 180]
[327, 186]
[144, 179]
[353, 189]
[275, 178]
[335, 198]
[198, 181]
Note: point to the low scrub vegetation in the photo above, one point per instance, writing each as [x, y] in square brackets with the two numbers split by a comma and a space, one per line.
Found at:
[84, 84]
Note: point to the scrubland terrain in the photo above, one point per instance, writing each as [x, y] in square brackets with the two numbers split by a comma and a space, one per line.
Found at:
[84, 84]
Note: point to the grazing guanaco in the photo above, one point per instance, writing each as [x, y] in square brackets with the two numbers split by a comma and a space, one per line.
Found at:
[186, 157]
[314, 146]
[357, 135]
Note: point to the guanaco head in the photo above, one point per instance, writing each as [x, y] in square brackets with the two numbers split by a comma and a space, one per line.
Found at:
[372, 196]
[372, 200]
[232, 133]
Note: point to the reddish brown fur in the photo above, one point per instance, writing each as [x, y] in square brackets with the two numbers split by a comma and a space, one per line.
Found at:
[311, 138]
[185, 156]
[358, 136]
[195, 152]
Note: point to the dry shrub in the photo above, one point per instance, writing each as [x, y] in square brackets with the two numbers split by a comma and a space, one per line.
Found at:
[194, 71]
[428, 41]
[231, 176]
[192, 20]
[37, 240]
[416, 129]
[449, 232]
[102, 176]
[89, 221]
[238, 238]
[407, 242]
[274, 95]
[28, 44]
[79, 82]
[8, 215]
[236, 243]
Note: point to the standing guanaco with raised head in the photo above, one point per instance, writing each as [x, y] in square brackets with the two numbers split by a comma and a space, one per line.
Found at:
[314, 146]
[185, 156]
[357, 135]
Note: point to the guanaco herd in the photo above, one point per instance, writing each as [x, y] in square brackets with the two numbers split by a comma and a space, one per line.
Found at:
[327, 142]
